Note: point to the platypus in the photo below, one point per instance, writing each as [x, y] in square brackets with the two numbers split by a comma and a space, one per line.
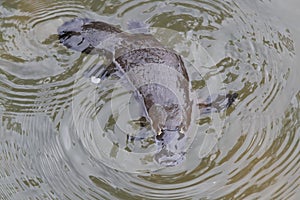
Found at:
[157, 73]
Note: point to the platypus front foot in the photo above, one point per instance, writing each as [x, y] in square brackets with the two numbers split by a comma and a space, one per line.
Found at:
[218, 103]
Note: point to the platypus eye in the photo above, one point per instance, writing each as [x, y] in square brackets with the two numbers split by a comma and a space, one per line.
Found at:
[159, 132]
[181, 130]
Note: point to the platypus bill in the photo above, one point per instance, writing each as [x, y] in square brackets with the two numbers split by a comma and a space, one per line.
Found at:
[158, 74]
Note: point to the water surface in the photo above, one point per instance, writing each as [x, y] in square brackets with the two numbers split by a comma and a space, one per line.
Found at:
[64, 137]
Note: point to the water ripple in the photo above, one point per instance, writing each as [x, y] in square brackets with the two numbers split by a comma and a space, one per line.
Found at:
[64, 137]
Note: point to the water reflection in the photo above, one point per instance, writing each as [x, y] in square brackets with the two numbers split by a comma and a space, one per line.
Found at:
[51, 143]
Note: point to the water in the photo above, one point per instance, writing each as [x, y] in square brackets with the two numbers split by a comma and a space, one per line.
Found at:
[65, 137]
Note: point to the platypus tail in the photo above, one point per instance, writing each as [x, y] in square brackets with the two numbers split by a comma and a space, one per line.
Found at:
[84, 35]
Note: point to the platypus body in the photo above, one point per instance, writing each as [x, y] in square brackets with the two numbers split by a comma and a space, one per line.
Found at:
[158, 74]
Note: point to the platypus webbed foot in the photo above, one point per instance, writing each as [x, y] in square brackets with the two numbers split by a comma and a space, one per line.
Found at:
[218, 103]
[231, 98]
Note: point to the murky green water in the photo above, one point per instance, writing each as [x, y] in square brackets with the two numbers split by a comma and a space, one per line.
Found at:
[64, 137]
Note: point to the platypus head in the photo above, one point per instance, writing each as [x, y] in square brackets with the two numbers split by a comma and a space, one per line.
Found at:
[171, 146]
[169, 109]
[169, 124]
[170, 118]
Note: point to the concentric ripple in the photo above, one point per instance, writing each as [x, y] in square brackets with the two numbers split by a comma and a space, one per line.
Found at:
[64, 135]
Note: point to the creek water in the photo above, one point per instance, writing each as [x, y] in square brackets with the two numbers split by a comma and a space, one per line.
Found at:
[63, 135]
